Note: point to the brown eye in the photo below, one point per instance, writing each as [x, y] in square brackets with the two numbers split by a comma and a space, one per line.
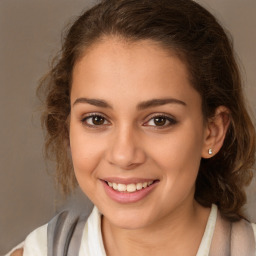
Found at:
[160, 121]
[97, 120]
[94, 120]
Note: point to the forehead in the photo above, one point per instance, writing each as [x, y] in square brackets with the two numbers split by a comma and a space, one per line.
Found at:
[143, 68]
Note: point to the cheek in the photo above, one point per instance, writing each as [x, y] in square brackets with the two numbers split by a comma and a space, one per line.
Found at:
[179, 158]
[178, 150]
[86, 153]
[180, 165]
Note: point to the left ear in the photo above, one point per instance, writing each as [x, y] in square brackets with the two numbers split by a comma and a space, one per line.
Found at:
[215, 132]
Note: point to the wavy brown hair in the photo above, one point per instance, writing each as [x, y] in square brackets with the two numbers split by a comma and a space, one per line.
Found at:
[183, 27]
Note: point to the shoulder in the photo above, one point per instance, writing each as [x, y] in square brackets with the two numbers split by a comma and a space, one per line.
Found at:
[64, 232]
[254, 230]
[19, 246]
[243, 232]
[233, 238]
[36, 242]
[243, 238]
[54, 235]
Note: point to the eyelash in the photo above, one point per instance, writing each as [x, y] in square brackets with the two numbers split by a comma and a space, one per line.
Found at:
[171, 121]
[90, 116]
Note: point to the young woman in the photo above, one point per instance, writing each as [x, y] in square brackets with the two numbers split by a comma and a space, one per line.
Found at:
[145, 112]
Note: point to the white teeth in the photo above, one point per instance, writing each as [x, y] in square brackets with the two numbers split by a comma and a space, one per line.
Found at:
[115, 186]
[129, 187]
[139, 186]
[121, 187]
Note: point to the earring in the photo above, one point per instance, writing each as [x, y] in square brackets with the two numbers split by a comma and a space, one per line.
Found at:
[210, 151]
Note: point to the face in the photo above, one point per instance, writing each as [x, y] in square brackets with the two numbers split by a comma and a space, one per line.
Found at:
[136, 131]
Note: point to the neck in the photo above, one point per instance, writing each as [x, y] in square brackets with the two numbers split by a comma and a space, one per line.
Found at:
[178, 233]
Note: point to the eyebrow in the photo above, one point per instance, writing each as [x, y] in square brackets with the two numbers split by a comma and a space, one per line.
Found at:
[140, 106]
[94, 102]
[159, 102]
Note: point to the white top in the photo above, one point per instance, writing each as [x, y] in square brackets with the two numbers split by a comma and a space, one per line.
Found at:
[92, 243]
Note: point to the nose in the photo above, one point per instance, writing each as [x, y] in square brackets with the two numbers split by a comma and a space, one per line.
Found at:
[126, 150]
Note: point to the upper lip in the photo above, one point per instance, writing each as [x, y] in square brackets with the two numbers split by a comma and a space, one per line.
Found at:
[126, 181]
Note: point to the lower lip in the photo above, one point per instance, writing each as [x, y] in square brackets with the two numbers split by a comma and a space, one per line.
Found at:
[128, 197]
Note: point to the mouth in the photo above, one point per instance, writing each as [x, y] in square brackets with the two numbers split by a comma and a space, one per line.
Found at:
[132, 187]
[128, 190]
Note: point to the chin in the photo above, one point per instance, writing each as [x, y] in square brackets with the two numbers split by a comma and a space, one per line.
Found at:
[129, 218]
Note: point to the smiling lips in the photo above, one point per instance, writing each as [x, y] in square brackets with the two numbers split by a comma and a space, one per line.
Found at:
[128, 191]
[129, 187]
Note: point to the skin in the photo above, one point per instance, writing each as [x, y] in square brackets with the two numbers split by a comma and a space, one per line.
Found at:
[18, 252]
[129, 143]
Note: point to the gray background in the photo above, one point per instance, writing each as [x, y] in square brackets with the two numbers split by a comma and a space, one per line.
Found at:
[30, 32]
